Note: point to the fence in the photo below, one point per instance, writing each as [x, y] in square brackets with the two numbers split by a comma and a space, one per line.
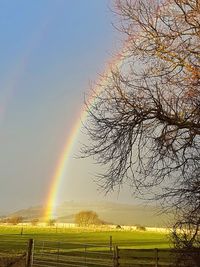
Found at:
[92, 255]
[158, 258]
[48, 253]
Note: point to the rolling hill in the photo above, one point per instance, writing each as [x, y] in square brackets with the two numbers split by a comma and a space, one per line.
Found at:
[112, 213]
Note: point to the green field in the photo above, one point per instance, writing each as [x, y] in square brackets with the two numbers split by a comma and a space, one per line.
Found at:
[125, 239]
[79, 244]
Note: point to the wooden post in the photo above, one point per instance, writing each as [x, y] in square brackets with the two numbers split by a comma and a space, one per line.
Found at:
[58, 252]
[116, 257]
[85, 255]
[111, 243]
[22, 231]
[156, 257]
[29, 258]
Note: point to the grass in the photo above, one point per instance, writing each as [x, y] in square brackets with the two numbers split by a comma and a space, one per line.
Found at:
[124, 239]
[70, 242]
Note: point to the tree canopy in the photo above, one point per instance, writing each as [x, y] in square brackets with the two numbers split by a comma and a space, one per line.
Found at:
[87, 218]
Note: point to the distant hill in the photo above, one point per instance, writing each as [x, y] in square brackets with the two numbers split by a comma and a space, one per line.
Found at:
[113, 213]
[29, 213]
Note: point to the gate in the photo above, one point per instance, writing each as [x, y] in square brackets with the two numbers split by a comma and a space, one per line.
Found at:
[47, 253]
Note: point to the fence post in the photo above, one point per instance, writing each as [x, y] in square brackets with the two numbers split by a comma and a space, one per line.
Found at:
[58, 252]
[111, 243]
[29, 258]
[85, 255]
[116, 257]
[22, 231]
[156, 257]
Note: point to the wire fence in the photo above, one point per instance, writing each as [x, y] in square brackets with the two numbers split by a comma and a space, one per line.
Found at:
[43, 253]
[159, 258]
[71, 254]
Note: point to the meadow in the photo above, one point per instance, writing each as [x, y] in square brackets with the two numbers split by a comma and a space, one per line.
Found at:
[81, 244]
[122, 238]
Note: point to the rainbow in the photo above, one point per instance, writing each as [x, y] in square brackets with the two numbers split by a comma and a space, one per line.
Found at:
[61, 167]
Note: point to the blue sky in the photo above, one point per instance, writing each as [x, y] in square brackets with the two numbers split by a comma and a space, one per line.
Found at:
[50, 51]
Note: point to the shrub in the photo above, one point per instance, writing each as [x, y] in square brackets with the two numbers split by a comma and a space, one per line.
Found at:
[140, 228]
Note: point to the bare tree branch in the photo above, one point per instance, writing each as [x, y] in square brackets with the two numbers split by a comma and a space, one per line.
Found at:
[145, 123]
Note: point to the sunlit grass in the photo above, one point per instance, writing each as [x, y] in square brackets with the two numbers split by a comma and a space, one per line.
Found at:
[126, 239]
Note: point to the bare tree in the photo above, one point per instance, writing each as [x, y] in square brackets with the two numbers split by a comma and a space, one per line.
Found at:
[51, 222]
[34, 221]
[15, 220]
[186, 240]
[87, 218]
[145, 122]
